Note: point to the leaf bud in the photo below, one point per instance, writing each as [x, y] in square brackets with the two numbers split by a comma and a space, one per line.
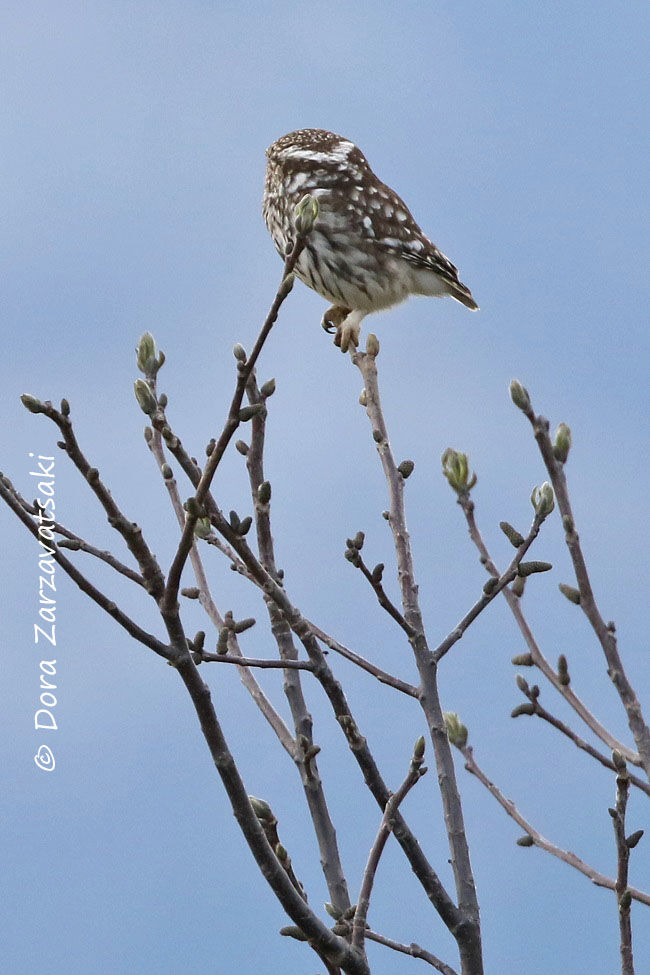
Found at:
[166, 472]
[632, 840]
[572, 594]
[305, 214]
[148, 434]
[242, 447]
[522, 709]
[619, 761]
[525, 840]
[222, 642]
[523, 660]
[406, 468]
[292, 931]
[334, 912]
[145, 397]
[513, 536]
[261, 809]
[522, 684]
[239, 352]
[203, 528]
[146, 354]
[377, 573]
[543, 500]
[264, 492]
[562, 443]
[418, 751]
[248, 412]
[363, 398]
[519, 395]
[490, 585]
[455, 467]
[65, 407]
[358, 540]
[243, 625]
[234, 520]
[287, 282]
[372, 345]
[31, 403]
[281, 853]
[268, 388]
[563, 671]
[191, 592]
[529, 568]
[456, 730]
[377, 436]
[517, 586]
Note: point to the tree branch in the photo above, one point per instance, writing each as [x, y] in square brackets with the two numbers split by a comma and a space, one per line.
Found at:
[415, 951]
[623, 856]
[415, 773]
[599, 879]
[540, 661]
[469, 938]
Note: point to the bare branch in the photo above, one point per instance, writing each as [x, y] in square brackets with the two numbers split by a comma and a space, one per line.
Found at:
[415, 772]
[605, 632]
[383, 676]
[539, 659]
[205, 597]
[260, 662]
[623, 856]
[415, 951]
[469, 941]
[599, 879]
[103, 601]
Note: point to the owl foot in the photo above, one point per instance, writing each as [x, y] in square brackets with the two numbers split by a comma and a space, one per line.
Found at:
[334, 317]
[347, 334]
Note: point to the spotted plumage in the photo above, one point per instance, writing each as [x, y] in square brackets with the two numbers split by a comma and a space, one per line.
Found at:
[366, 252]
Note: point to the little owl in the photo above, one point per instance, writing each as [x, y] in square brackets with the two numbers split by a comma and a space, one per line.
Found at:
[365, 252]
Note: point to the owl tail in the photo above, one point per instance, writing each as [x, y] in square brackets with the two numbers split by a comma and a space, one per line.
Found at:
[461, 293]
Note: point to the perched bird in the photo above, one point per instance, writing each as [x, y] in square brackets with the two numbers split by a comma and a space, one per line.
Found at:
[365, 252]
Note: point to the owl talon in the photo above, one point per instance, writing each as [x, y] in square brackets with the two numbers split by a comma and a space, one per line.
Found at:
[347, 336]
[333, 318]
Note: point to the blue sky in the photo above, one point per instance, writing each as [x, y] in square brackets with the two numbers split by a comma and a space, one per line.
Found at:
[133, 139]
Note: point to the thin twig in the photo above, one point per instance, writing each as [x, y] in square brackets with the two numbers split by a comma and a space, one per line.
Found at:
[307, 764]
[244, 370]
[261, 662]
[415, 951]
[623, 857]
[207, 602]
[383, 676]
[605, 632]
[103, 601]
[597, 878]
[469, 938]
[386, 826]
[539, 659]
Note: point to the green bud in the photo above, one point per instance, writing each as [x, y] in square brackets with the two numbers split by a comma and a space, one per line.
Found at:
[377, 436]
[261, 809]
[65, 407]
[146, 353]
[522, 684]
[572, 594]
[167, 472]
[333, 911]
[523, 660]
[146, 399]
[203, 528]
[455, 467]
[281, 853]
[406, 468]
[456, 730]
[567, 524]
[349, 912]
[363, 398]
[248, 412]
[519, 395]
[287, 283]
[162, 400]
[562, 443]
[199, 640]
[619, 761]
[529, 568]
[210, 447]
[525, 840]
[543, 500]
[268, 388]
[511, 534]
[305, 214]
[372, 345]
[341, 928]
[418, 751]
[31, 403]
[239, 352]
[358, 540]
[264, 492]
[242, 447]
